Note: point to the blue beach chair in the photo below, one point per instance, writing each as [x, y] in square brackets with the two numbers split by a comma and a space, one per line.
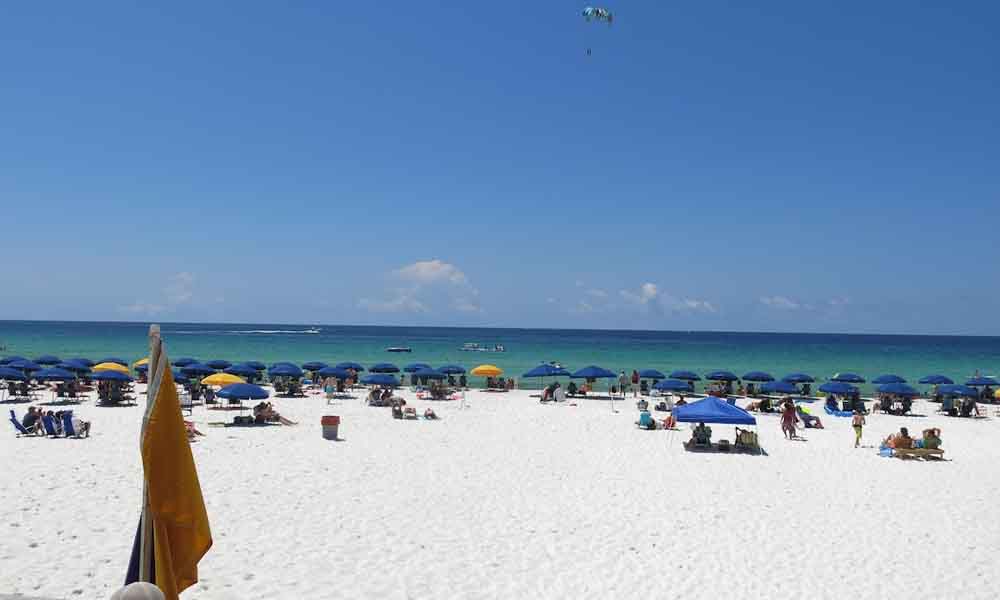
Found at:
[17, 425]
[68, 428]
[49, 423]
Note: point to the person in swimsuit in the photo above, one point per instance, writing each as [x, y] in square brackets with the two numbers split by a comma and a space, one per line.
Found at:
[857, 422]
[789, 419]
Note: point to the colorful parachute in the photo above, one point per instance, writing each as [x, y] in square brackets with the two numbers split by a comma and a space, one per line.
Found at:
[596, 13]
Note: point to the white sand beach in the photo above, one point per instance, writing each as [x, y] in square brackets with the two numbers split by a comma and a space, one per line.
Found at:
[508, 498]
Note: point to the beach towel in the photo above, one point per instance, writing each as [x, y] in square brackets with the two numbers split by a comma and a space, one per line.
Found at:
[837, 413]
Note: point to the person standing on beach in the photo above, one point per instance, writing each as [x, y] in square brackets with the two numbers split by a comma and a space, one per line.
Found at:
[622, 383]
[788, 419]
[635, 383]
[858, 423]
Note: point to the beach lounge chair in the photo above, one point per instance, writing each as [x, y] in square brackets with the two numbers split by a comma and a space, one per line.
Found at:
[49, 423]
[924, 453]
[17, 426]
[70, 431]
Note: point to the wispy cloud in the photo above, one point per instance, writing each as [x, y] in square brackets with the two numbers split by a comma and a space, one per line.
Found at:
[424, 287]
[780, 302]
[178, 291]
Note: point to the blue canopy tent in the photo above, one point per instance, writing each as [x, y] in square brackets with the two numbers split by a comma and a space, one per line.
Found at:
[936, 380]
[414, 367]
[384, 368]
[183, 362]
[685, 376]
[711, 411]
[847, 378]
[350, 365]
[48, 360]
[885, 379]
[897, 389]
[382, 379]
[673, 385]
[114, 359]
[758, 377]
[726, 376]
[314, 365]
[219, 364]
[798, 378]
[779, 387]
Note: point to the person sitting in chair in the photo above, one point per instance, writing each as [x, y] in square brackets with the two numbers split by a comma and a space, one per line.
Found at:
[430, 414]
[571, 388]
[32, 420]
[900, 440]
[808, 421]
[702, 435]
[932, 438]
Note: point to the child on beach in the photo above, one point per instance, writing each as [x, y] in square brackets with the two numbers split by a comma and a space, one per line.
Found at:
[857, 422]
[788, 419]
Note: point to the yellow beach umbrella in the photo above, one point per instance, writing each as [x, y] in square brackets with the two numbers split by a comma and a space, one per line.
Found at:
[140, 362]
[487, 371]
[110, 366]
[222, 379]
[997, 395]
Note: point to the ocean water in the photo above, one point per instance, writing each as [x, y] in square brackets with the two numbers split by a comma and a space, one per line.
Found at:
[820, 355]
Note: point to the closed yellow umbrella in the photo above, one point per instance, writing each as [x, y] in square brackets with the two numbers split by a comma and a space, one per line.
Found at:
[110, 366]
[487, 371]
[222, 379]
[140, 362]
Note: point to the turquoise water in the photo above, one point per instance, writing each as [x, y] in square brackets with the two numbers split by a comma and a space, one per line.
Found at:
[820, 355]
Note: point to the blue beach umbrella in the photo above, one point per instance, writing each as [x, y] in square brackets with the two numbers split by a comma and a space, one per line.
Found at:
[452, 370]
[884, 379]
[219, 364]
[651, 374]
[837, 387]
[197, 369]
[958, 390]
[242, 371]
[384, 368]
[897, 389]
[179, 376]
[142, 368]
[685, 376]
[981, 380]
[183, 362]
[256, 365]
[114, 359]
[285, 371]
[243, 391]
[721, 376]
[9, 359]
[72, 365]
[546, 370]
[593, 372]
[847, 378]
[414, 367]
[110, 376]
[24, 365]
[334, 372]
[429, 374]
[936, 380]
[798, 378]
[314, 365]
[282, 363]
[8, 374]
[54, 374]
[758, 376]
[82, 361]
[380, 379]
[672, 385]
[779, 387]
[351, 365]
[48, 360]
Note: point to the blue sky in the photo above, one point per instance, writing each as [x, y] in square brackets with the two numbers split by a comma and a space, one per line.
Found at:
[795, 166]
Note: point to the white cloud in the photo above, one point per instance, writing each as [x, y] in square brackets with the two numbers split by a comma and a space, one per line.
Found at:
[402, 303]
[690, 304]
[780, 302]
[179, 290]
[649, 297]
[837, 302]
[648, 292]
[431, 271]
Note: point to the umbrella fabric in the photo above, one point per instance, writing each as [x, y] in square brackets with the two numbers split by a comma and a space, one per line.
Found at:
[8, 374]
[837, 387]
[183, 362]
[981, 380]
[54, 374]
[334, 372]
[414, 367]
[197, 369]
[314, 365]
[219, 364]
[9, 359]
[76, 367]
[179, 376]
[672, 385]
[24, 365]
[546, 370]
[222, 379]
[936, 380]
[282, 363]
[898, 389]
[452, 370]
[798, 378]
[142, 368]
[380, 379]
[110, 375]
[487, 371]
[242, 370]
[285, 371]
[243, 391]
[721, 376]
[114, 359]
[350, 365]
[685, 376]
[779, 387]
[429, 374]
[593, 372]
[651, 374]
[256, 365]
[758, 376]
[82, 361]
[848, 378]
[884, 379]
[48, 360]
[958, 390]
[140, 362]
[111, 366]
[713, 410]
[384, 368]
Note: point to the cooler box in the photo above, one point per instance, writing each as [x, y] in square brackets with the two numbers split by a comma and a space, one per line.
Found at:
[331, 425]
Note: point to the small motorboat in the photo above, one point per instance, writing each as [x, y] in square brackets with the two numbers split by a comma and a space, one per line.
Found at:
[399, 349]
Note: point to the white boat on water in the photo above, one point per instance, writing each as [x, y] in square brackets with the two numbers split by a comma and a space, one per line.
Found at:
[476, 347]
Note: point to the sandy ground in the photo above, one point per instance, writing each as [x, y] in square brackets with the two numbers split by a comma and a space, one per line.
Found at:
[508, 498]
